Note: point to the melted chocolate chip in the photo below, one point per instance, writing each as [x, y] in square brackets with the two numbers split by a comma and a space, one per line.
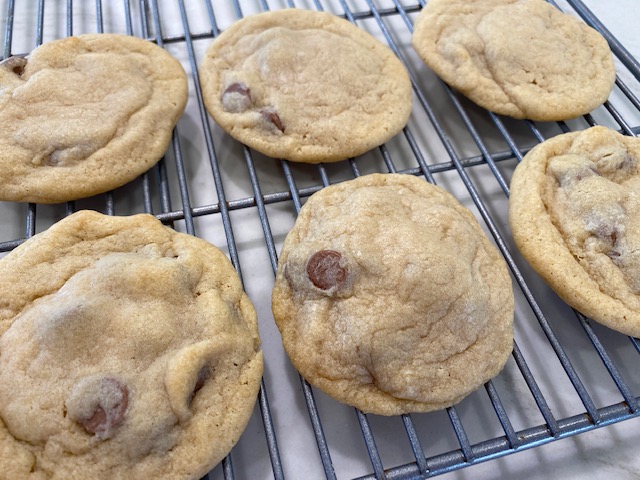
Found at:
[240, 88]
[270, 115]
[629, 163]
[236, 98]
[15, 64]
[588, 173]
[98, 421]
[607, 232]
[613, 254]
[112, 401]
[201, 379]
[324, 270]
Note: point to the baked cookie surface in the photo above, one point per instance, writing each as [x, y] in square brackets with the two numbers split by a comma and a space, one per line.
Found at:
[390, 298]
[127, 350]
[304, 85]
[84, 115]
[575, 217]
[521, 58]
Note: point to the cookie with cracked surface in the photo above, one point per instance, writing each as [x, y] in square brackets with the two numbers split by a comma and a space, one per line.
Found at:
[575, 217]
[127, 350]
[390, 297]
[306, 86]
[520, 58]
[84, 115]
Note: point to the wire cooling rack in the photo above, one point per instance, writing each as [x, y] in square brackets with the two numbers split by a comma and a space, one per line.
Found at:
[567, 375]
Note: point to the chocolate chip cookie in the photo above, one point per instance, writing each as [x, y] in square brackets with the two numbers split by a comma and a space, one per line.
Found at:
[521, 58]
[127, 350]
[390, 297]
[575, 216]
[84, 115]
[304, 85]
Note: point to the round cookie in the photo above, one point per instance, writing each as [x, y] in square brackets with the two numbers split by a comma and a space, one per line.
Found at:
[304, 85]
[575, 217]
[390, 297]
[84, 115]
[127, 351]
[520, 58]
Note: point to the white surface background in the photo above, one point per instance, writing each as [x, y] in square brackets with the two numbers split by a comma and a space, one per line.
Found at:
[609, 452]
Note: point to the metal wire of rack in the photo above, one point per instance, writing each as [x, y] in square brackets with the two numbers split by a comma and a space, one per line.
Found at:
[211, 186]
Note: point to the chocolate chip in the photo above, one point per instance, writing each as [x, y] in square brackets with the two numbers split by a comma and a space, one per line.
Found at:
[201, 379]
[111, 409]
[99, 404]
[270, 115]
[604, 230]
[325, 271]
[97, 423]
[629, 163]
[236, 98]
[590, 172]
[240, 88]
[614, 252]
[15, 64]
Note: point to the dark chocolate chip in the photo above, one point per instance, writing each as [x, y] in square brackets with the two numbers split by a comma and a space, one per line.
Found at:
[324, 270]
[270, 115]
[201, 379]
[236, 98]
[588, 173]
[112, 405]
[15, 64]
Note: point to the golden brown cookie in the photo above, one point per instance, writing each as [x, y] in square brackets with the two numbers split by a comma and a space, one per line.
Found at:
[127, 350]
[390, 297]
[84, 115]
[575, 216]
[521, 58]
[306, 86]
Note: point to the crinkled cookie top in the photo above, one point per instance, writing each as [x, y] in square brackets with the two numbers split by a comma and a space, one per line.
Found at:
[575, 216]
[127, 350]
[304, 85]
[390, 297]
[521, 58]
[85, 114]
